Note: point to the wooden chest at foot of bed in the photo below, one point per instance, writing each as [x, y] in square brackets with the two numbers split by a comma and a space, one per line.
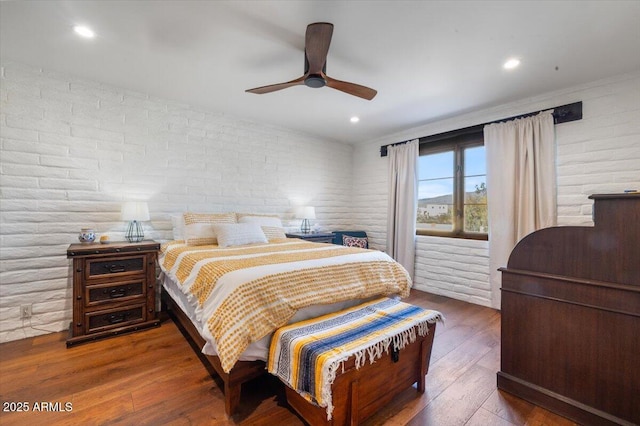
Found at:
[340, 368]
[359, 393]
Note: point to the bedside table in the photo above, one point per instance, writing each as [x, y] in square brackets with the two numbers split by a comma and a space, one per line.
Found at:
[316, 237]
[114, 289]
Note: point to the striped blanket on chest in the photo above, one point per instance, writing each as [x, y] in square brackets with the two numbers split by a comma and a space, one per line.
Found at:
[307, 355]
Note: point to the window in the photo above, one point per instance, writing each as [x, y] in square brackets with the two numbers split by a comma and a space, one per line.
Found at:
[452, 188]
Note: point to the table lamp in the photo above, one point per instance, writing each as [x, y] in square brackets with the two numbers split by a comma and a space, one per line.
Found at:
[135, 212]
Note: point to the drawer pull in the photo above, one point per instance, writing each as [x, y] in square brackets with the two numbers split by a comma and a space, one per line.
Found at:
[117, 292]
[116, 268]
[116, 318]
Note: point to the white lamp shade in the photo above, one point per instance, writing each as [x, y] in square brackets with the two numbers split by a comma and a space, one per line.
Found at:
[306, 212]
[135, 210]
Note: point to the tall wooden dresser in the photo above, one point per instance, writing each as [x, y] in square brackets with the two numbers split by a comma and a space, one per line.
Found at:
[113, 289]
[571, 316]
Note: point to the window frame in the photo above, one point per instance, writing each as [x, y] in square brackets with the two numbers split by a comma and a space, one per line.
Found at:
[457, 144]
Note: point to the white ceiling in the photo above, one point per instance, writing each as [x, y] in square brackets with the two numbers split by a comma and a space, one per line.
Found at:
[427, 59]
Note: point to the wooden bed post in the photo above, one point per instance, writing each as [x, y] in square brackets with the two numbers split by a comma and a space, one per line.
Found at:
[231, 397]
[242, 372]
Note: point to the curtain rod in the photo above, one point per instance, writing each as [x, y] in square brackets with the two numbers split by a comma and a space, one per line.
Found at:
[561, 114]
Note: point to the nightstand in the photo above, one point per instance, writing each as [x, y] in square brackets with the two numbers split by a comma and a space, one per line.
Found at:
[113, 289]
[316, 237]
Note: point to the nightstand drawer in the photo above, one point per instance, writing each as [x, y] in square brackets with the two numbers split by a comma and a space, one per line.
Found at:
[98, 268]
[104, 320]
[111, 292]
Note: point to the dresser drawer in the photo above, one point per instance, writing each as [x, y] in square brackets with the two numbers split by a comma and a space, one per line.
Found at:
[114, 292]
[104, 320]
[116, 266]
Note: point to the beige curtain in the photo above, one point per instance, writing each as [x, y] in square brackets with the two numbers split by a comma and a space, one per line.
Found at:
[521, 186]
[403, 199]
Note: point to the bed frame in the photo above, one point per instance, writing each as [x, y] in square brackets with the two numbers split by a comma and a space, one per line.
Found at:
[242, 372]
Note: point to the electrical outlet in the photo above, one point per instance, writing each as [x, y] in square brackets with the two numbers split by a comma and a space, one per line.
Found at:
[25, 311]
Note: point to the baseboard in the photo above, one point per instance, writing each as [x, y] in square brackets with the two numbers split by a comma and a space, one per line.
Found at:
[559, 404]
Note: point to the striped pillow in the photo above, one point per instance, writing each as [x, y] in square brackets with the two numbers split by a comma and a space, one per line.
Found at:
[198, 227]
[274, 232]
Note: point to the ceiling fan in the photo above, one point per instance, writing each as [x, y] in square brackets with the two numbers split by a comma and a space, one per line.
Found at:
[316, 47]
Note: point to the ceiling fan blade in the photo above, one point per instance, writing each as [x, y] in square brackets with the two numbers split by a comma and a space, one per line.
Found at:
[351, 88]
[274, 87]
[317, 42]
[316, 46]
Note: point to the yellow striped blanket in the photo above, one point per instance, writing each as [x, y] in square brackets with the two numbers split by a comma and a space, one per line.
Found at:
[307, 355]
[245, 293]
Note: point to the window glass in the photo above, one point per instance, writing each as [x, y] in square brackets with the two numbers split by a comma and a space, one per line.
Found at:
[475, 190]
[435, 191]
[452, 187]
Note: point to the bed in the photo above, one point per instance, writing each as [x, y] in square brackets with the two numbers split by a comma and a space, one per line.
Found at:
[232, 292]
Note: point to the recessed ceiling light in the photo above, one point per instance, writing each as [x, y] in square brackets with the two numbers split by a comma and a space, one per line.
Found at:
[354, 119]
[511, 64]
[83, 31]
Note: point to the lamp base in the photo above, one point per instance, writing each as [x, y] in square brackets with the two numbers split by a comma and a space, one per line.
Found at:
[305, 228]
[134, 234]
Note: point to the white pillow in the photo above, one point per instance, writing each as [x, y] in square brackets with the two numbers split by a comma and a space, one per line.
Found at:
[238, 234]
[177, 223]
[271, 225]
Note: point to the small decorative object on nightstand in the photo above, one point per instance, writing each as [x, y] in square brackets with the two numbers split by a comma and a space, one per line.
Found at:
[113, 289]
[87, 235]
[316, 237]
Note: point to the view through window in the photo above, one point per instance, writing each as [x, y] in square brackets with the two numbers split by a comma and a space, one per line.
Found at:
[452, 191]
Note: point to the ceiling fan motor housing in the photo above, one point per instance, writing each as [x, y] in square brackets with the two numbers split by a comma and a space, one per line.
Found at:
[315, 80]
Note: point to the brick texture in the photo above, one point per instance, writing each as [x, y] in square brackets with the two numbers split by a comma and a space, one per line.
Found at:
[598, 154]
[73, 151]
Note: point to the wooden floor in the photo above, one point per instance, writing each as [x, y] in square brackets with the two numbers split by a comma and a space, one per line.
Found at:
[154, 377]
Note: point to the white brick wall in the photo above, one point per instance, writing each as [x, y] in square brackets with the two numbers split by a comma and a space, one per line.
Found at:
[598, 154]
[72, 151]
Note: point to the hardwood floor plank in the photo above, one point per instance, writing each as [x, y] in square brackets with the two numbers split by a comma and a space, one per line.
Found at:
[455, 365]
[180, 406]
[460, 401]
[492, 359]
[483, 417]
[509, 407]
[541, 417]
[155, 377]
[159, 391]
